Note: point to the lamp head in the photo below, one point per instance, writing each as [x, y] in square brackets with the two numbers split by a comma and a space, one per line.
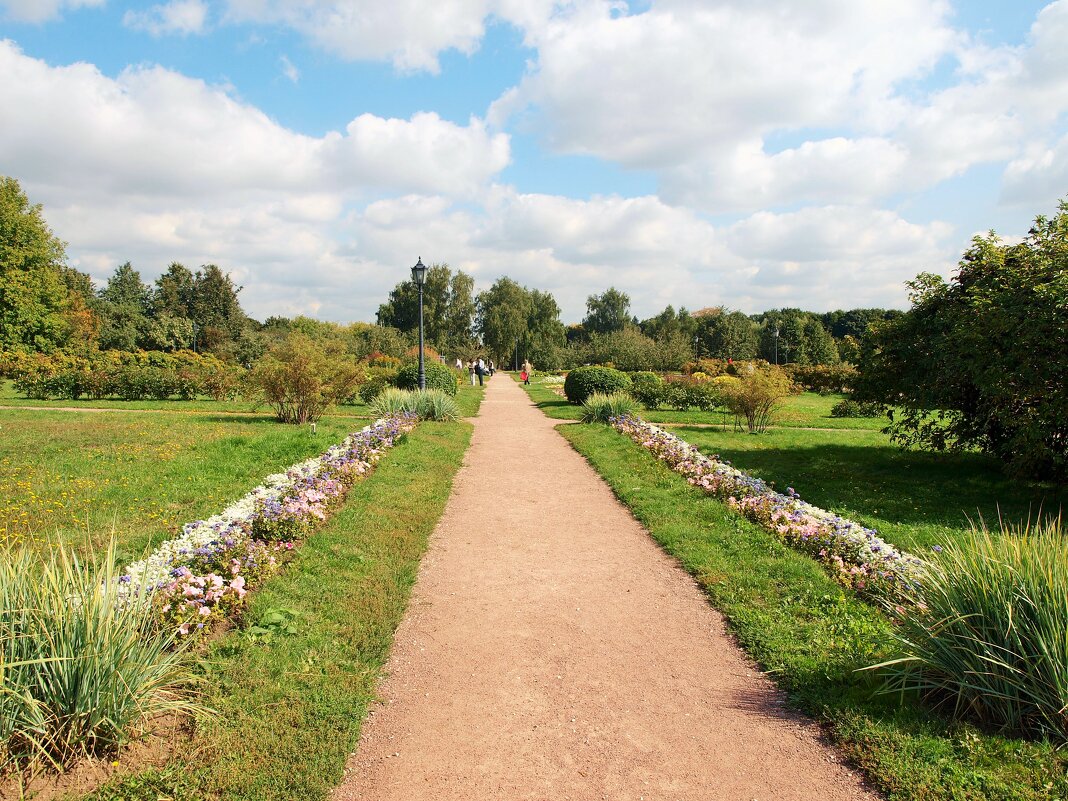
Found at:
[419, 272]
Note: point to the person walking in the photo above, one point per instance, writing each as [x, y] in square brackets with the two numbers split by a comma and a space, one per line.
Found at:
[480, 370]
[471, 371]
[528, 368]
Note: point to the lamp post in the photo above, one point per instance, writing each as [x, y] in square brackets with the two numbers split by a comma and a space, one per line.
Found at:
[419, 277]
[696, 347]
[776, 344]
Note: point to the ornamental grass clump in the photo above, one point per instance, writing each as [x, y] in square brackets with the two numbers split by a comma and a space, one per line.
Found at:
[601, 408]
[985, 633]
[429, 404]
[80, 668]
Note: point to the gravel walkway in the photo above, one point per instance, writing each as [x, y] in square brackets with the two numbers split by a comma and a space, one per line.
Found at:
[553, 651]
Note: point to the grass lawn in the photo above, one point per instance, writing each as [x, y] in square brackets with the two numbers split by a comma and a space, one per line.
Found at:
[812, 637]
[912, 498]
[77, 477]
[9, 397]
[807, 410]
[291, 704]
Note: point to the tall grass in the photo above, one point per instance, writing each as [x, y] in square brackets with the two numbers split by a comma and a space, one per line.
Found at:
[429, 404]
[986, 635]
[600, 408]
[78, 669]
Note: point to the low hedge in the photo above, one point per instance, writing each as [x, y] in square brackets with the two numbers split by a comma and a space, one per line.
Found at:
[584, 381]
[438, 376]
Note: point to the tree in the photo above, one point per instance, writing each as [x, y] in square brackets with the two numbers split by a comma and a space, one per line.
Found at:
[724, 334]
[503, 312]
[545, 336]
[174, 293]
[123, 305]
[216, 311]
[607, 312]
[448, 308]
[982, 361]
[33, 293]
[670, 323]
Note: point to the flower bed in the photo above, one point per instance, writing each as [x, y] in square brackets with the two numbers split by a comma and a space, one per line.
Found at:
[854, 555]
[205, 572]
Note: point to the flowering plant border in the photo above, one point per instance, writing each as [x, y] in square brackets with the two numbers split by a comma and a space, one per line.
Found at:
[854, 555]
[205, 572]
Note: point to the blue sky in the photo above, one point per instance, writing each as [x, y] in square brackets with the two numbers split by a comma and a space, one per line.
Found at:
[753, 155]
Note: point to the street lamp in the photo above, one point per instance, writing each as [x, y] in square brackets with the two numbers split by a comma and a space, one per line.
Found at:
[776, 344]
[696, 347]
[419, 277]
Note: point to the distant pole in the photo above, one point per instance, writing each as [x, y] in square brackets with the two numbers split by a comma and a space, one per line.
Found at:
[696, 347]
[776, 344]
[419, 276]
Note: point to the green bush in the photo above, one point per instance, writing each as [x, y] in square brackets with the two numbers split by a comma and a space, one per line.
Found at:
[852, 408]
[823, 378]
[600, 408]
[755, 395]
[430, 404]
[438, 376]
[681, 394]
[301, 378]
[648, 389]
[584, 381]
[79, 668]
[985, 635]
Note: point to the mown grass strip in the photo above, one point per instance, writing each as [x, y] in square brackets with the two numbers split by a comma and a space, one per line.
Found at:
[811, 636]
[291, 704]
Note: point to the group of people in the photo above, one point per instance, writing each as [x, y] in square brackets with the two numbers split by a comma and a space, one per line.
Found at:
[480, 368]
[477, 368]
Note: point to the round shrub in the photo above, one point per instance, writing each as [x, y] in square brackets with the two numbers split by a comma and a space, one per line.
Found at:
[438, 376]
[647, 389]
[851, 408]
[584, 381]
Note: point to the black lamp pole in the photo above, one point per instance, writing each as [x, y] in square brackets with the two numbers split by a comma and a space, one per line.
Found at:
[419, 277]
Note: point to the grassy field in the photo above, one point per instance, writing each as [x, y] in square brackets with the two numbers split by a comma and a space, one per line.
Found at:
[77, 477]
[291, 703]
[808, 410]
[812, 637]
[913, 499]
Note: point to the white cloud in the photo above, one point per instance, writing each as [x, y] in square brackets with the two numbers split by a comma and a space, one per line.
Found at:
[699, 92]
[153, 132]
[42, 10]
[182, 17]
[289, 69]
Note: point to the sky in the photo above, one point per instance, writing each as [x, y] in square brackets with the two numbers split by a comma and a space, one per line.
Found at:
[748, 153]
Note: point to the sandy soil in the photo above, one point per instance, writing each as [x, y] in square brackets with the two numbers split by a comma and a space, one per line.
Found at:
[553, 651]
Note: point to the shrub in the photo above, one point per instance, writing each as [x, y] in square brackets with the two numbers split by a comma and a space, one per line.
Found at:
[600, 408]
[438, 376]
[681, 394]
[584, 381]
[755, 395]
[430, 404]
[648, 389]
[985, 635]
[823, 378]
[78, 668]
[852, 408]
[300, 378]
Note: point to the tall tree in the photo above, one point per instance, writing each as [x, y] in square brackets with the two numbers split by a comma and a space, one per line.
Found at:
[607, 312]
[503, 312]
[448, 308]
[982, 361]
[217, 313]
[174, 293]
[545, 335]
[461, 311]
[124, 305]
[33, 294]
[727, 334]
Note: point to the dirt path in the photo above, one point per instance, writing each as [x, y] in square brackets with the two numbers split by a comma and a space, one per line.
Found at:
[552, 651]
